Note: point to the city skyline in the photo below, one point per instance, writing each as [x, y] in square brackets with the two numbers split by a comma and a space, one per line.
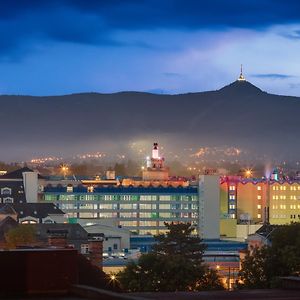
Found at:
[172, 47]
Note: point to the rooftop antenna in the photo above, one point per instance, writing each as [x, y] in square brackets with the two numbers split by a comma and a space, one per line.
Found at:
[241, 77]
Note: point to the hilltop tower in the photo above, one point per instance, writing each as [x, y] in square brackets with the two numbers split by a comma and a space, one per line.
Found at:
[241, 77]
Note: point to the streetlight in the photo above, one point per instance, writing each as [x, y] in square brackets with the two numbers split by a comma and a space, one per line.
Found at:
[64, 169]
[113, 277]
[248, 173]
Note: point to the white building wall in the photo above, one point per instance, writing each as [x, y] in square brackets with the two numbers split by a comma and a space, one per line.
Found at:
[121, 236]
[30, 180]
[209, 206]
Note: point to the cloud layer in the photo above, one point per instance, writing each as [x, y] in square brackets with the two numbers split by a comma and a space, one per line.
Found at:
[169, 45]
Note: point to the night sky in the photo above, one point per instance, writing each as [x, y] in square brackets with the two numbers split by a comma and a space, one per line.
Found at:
[62, 46]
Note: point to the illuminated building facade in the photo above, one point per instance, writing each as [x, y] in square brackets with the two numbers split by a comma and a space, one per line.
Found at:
[141, 210]
[257, 201]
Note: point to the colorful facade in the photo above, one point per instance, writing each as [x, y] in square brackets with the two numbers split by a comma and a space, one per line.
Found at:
[257, 201]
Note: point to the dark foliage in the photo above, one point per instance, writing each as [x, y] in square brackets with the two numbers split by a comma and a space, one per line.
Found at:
[175, 264]
[262, 267]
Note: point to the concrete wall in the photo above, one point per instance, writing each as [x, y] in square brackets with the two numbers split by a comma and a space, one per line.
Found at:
[243, 230]
[228, 228]
[209, 206]
[30, 180]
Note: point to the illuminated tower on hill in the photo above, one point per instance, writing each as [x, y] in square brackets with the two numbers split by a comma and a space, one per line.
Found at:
[155, 166]
[241, 77]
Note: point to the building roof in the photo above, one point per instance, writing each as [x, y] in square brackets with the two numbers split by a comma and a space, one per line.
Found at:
[266, 230]
[36, 210]
[7, 209]
[17, 174]
[70, 231]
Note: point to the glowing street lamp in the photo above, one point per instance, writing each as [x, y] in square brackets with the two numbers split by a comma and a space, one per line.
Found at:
[248, 173]
[113, 277]
[64, 169]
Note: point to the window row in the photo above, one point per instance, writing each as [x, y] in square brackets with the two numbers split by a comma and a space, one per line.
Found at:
[132, 215]
[132, 206]
[87, 197]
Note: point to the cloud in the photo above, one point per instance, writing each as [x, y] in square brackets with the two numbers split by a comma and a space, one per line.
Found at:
[272, 76]
[294, 34]
[192, 14]
[95, 22]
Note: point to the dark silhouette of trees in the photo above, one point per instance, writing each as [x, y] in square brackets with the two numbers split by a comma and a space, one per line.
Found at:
[175, 264]
[262, 266]
[22, 235]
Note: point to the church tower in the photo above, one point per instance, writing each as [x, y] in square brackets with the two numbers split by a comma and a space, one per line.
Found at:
[155, 166]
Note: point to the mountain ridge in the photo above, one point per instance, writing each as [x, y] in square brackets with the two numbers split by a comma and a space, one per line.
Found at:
[239, 114]
[246, 86]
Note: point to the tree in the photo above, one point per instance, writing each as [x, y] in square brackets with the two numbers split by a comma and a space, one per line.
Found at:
[179, 240]
[286, 243]
[175, 264]
[210, 281]
[20, 236]
[262, 267]
[256, 271]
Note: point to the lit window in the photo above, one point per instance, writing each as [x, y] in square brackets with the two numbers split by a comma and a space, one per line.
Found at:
[6, 191]
[69, 189]
[259, 188]
[259, 197]
[232, 197]
[84, 248]
[232, 187]
[90, 189]
[258, 216]
[258, 206]
[8, 200]
[231, 206]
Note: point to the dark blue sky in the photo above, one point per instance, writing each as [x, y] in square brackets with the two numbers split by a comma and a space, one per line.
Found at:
[64, 46]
